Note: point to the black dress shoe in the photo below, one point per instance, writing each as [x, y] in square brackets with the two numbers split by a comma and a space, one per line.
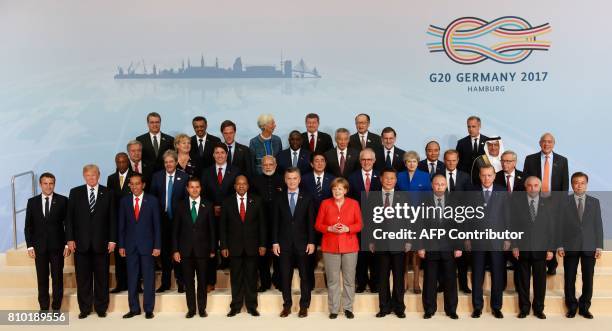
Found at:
[190, 314]
[333, 316]
[522, 314]
[262, 289]
[285, 312]
[427, 316]
[381, 314]
[149, 315]
[476, 313]
[102, 314]
[349, 314]
[233, 312]
[303, 312]
[83, 315]
[360, 289]
[540, 315]
[497, 313]
[400, 314]
[586, 314]
[551, 272]
[253, 312]
[203, 313]
[161, 289]
[117, 290]
[466, 290]
[570, 314]
[130, 315]
[140, 290]
[181, 288]
[453, 316]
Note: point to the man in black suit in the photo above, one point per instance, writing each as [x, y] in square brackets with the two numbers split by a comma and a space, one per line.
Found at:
[118, 183]
[238, 155]
[137, 164]
[361, 183]
[267, 186]
[390, 156]
[293, 239]
[315, 140]
[363, 138]
[342, 160]
[217, 181]
[193, 243]
[471, 146]
[202, 142]
[581, 238]
[155, 143]
[552, 169]
[243, 237]
[139, 243]
[91, 232]
[431, 164]
[295, 155]
[531, 214]
[45, 239]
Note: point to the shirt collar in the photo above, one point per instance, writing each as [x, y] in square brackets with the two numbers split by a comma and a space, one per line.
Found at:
[322, 175]
[138, 196]
[223, 166]
[123, 173]
[239, 197]
[94, 187]
[363, 172]
[297, 191]
[197, 200]
[50, 196]
[203, 137]
[171, 174]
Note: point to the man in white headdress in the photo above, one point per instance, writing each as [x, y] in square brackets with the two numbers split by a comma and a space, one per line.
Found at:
[493, 151]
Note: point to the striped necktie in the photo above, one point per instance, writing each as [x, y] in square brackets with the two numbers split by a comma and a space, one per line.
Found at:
[92, 201]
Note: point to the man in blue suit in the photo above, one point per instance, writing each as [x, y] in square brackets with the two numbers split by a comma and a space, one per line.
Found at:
[139, 241]
[295, 155]
[168, 186]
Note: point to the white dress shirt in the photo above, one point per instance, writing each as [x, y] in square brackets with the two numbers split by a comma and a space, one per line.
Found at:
[363, 176]
[390, 152]
[315, 134]
[448, 172]
[223, 169]
[158, 135]
[124, 175]
[343, 151]
[197, 200]
[139, 200]
[512, 175]
[95, 192]
[238, 197]
[43, 202]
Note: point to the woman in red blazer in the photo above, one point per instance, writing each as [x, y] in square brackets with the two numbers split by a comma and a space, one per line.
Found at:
[339, 220]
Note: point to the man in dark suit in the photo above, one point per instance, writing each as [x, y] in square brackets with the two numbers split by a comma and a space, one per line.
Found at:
[295, 155]
[363, 138]
[509, 177]
[342, 160]
[45, 239]
[238, 155]
[202, 142]
[155, 143]
[315, 140]
[169, 187]
[471, 146]
[431, 164]
[361, 183]
[581, 238]
[293, 239]
[531, 214]
[193, 243]
[118, 183]
[267, 186]
[552, 169]
[493, 200]
[243, 237]
[137, 164]
[91, 232]
[390, 156]
[218, 184]
[139, 242]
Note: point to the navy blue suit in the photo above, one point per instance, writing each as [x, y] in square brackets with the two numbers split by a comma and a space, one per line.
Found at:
[139, 237]
[285, 159]
[424, 166]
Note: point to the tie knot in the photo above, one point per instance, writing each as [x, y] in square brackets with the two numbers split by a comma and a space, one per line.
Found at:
[387, 194]
[193, 203]
[91, 189]
[241, 199]
[294, 153]
[137, 199]
[388, 152]
[342, 153]
[170, 177]
[47, 198]
[200, 139]
[292, 194]
[367, 174]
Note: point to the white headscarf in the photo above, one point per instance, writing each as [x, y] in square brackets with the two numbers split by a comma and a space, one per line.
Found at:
[495, 160]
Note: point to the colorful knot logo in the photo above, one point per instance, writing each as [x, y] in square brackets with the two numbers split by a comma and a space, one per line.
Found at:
[513, 39]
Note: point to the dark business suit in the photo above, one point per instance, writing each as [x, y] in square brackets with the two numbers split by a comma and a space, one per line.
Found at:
[242, 159]
[424, 166]
[146, 170]
[467, 155]
[45, 233]
[91, 232]
[461, 183]
[139, 237]
[351, 163]
[205, 156]
[195, 240]
[373, 141]
[285, 161]
[397, 159]
[179, 193]
[324, 142]
[579, 238]
[148, 152]
[242, 239]
[536, 241]
[293, 232]
[113, 184]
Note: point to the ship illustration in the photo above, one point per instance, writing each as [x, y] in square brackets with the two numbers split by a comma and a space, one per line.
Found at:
[238, 70]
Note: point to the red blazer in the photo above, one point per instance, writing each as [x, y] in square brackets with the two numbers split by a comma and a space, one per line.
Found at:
[349, 215]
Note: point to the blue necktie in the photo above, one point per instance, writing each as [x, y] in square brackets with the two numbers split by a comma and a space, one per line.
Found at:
[487, 196]
[169, 196]
[292, 202]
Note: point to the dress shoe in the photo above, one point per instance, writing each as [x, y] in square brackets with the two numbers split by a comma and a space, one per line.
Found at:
[373, 289]
[130, 315]
[286, 312]
[453, 316]
[381, 314]
[400, 314]
[497, 313]
[190, 314]
[540, 315]
[416, 290]
[83, 315]
[203, 313]
[360, 289]
[570, 314]
[440, 289]
[181, 288]
[262, 289]
[586, 314]
[427, 316]
[233, 312]
[349, 314]
[253, 312]
[161, 289]
[149, 315]
[210, 288]
[551, 272]
[140, 290]
[102, 314]
[522, 314]
[476, 313]
[303, 312]
[333, 316]
[466, 290]
[117, 290]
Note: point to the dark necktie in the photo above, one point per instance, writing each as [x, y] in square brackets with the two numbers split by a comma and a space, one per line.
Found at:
[342, 163]
[46, 207]
[508, 187]
[220, 176]
[201, 148]
[229, 154]
[242, 210]
[487, 196]
[312, 143]
[388, 163]
[318, 186]
[92, 201]
[432, 169]
[194, 211]
[169, 195]
[292, 203]
[532, 210]
[155, 146]
[580, 209]
[475, 147]
[387, 201]
[451, 182]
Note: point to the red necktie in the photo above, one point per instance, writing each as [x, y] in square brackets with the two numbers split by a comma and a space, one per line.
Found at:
[136, 169]
[136, 209]
[219, 177]
[342, 162]
[242, 210]
[367, 182]
[312, 143]
[508, 183]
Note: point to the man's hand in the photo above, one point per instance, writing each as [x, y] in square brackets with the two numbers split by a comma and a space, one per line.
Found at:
[31, 253]
[598, 253]
[515, 253]
[458, 253]
[225, 252]
[156, 252]
[262, 251]
[122, 252]
[177, 257]
[421, 253]
[217, 210]
[506, 245]
[276, 249]
[72, 245]
[560, 252]
[66, 252]
[111, 247]
[549, 255]
[310, 248]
